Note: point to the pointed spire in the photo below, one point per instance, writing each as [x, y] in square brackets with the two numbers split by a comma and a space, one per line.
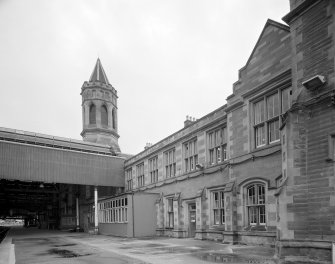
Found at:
[98, 74]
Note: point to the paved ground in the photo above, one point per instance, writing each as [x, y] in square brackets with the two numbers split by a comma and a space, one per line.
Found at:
[55, 247]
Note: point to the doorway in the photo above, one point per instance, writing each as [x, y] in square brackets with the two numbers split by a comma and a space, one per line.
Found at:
[192, 219]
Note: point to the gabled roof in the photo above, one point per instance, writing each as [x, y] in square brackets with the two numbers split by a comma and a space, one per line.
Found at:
[98, 74]
[268, 23]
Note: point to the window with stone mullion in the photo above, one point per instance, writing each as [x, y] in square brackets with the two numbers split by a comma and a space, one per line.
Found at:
[170, 216]
[256, 204]
[217, 146]
[129, 178]
[218, 208]
[273, 117]
[140, 175]
[190, 155]
[170, 163]
[267, 113]
[153, 169]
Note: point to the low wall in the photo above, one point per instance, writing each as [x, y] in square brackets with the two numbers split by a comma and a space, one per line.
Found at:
[317, 251]
[114, 229]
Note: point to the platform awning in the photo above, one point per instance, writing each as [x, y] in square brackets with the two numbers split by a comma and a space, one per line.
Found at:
[28, 162]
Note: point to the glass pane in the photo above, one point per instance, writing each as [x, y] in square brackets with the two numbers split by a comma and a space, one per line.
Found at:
[216, 199]
[211, 156]
[195, 147]
[276, 105]
[224, 152]
[191, 163]
[262, 215]
[270, 107]
[222, 216]
[274, 131]
[251, 195]
[259, 112]
[218, 154]
[252, 212]
[216, 217]
[170, 220]
[261, 194]
[221, 200]
[260, 136]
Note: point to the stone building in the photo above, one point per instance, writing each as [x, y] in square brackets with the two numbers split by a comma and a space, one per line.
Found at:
[218, 176]
[306, 211]
[260, 169]
[99, 110]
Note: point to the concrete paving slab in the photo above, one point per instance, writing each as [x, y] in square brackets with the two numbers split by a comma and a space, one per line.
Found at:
[53, 247]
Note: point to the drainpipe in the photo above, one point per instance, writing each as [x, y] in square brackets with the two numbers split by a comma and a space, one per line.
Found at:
[96, 210]
[133, 216]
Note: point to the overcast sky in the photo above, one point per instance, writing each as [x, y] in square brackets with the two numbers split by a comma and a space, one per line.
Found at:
[167, 59]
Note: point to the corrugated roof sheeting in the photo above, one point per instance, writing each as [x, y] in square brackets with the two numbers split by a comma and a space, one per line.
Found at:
[36, 163]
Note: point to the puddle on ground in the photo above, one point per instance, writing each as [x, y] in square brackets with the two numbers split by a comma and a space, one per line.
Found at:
[231, 258]
[65, 245]
[64, 253]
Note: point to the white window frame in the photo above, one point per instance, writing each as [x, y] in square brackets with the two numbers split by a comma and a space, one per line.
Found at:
[170, 163]
[140, 175]
[218, 207]
[153, 169]
[255, 203]
[114, 210]
[169, 212]
[266, 121]
[217, 145]
[190, 155]
[129, 179]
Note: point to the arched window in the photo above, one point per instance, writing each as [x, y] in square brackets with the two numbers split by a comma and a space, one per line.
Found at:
[113, 117]
[92, 114]
[104, 116]
[256, 204]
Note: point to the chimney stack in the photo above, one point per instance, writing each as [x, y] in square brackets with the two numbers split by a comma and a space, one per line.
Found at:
[189, 121]
[147, 145]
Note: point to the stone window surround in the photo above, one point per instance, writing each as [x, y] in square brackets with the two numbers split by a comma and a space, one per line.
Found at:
[222, 145]
[243, 197]
[263, 97]
[211, 192]
[153, 169]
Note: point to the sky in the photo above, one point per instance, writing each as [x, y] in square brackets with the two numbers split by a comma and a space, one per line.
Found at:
[166, 59]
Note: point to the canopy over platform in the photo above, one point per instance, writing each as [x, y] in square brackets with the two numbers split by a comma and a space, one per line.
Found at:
[30, 156]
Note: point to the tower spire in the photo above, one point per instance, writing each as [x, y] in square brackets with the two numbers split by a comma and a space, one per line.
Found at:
[99, 105]
[98, 74]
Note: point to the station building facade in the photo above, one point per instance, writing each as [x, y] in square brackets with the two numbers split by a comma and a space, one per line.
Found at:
[217, 177]
[260, 169]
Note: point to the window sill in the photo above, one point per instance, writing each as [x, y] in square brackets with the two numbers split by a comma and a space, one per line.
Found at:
[260, 148]
[217, 164]
[256, 228]
[218, 228]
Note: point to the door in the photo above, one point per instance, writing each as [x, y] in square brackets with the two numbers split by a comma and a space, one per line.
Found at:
[192, 219]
